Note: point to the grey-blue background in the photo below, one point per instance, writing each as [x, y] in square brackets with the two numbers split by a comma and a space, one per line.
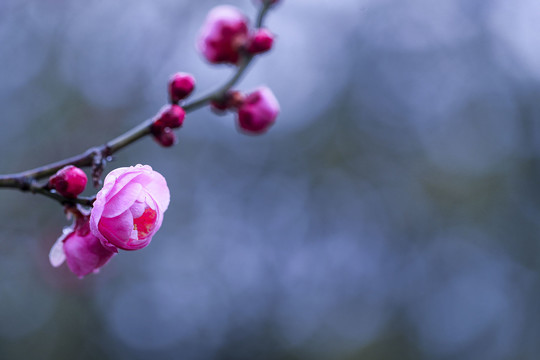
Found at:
[391, 212]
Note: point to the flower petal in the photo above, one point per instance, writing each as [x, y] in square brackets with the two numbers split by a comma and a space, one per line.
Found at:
[123, 180]
[117, 230]
[57, 255]
[159, 191]
[85, 254]
[137, 209]
[123, 200]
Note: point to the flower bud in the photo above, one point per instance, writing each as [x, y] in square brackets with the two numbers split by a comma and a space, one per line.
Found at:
[224, 34]
[171, 116]
[258, 112]
[164, 136]
[129, 209]
[69, 181]
[81, 250]
[261, 42]
[180, 86]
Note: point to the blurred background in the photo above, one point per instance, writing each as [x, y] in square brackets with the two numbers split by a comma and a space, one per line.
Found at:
[392, 211]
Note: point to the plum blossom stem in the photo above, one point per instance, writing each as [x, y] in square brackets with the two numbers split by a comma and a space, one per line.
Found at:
[96, 157]
[262, 13]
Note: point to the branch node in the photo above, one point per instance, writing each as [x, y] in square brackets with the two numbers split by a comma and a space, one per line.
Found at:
[98, 164]
[25, 184]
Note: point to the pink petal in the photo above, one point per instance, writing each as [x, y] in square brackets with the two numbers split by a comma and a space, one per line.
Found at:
[122, 201]
[159, 191]
[122, 181]
[85, 254]
[57, 255]
[137, 209]
[99, 206]
[116, 230]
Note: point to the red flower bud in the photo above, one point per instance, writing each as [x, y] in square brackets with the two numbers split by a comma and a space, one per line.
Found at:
[258, 112]
[180, 86]
[261, 42]
[69, 181]
[223, 35]
[171, 116]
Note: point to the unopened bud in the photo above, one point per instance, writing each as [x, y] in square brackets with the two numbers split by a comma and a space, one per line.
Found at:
[258, 112]
[261, 42]
[69, 181]
[171, 116]
[180, 86]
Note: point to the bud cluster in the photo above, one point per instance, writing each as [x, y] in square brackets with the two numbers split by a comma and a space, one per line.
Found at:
[255, 112]
[172, 116]
[226, 36]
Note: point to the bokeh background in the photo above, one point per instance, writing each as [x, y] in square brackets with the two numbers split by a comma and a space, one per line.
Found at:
[391, 213]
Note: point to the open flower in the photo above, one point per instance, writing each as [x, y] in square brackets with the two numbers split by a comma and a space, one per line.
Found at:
[77, 246]
[129, 208]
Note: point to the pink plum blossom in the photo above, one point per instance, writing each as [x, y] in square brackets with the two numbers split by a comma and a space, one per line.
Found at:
[223, 35]
[129, 208]
[81, 250]
[258, 111]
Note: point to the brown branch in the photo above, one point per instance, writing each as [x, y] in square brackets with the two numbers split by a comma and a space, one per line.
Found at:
[97, 156]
